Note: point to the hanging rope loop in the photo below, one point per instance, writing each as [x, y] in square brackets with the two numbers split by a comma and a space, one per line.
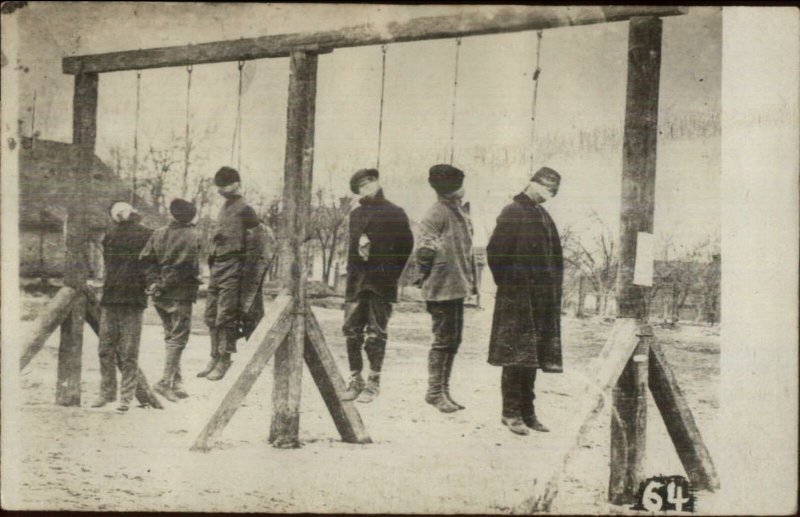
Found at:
[184, 188]
[453, 108]
[237, 128]
[537, 71]
[380, 114]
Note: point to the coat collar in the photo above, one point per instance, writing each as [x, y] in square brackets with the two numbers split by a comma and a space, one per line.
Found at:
[524, 200]
[377, 199]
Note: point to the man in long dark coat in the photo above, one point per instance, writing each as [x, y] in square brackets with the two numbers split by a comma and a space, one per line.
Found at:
[121, 306]
[380, 244]
[526, 260]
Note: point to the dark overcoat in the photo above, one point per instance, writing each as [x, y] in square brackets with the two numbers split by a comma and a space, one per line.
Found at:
[391, 242]
[526, 260]
[125, 276]
[172, 258]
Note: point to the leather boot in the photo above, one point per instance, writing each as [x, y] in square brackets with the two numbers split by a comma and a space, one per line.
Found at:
[527, 396]
[214, 335]
[372, 388]
[222, 367]
[515, 425]
[435, 395]
[449, 359]
[531, 421]
[164, 386]
[177, 378]
[354, 387]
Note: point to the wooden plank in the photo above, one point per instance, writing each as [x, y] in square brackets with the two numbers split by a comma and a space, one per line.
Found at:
[638, 158]
[270, 333]
[464, 22]
[629, 425]
[84, 131]
[298, 168]
[331, 385]
[680, 423]
[51, 317]
[144, 393]
[606, 368]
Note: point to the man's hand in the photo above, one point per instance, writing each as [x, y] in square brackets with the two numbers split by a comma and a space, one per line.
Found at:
[363, 247]
[153, 290]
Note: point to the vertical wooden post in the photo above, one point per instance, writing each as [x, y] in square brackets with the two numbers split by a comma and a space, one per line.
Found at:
[84, 131]
[636, 215]
[629, 424]
[298, 168]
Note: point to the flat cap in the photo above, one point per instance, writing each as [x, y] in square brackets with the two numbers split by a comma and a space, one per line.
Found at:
[183, 211]
[445, 179]
[226, 176]
[359, 176]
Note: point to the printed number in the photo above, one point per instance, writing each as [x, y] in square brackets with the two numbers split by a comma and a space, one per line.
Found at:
[651, 500]
[675, 496]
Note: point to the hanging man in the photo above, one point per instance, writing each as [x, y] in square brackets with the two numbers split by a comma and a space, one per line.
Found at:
[525, 257]
[121, 305]
[173, 277]
[380, 244]
[447, 276]
[227, 260]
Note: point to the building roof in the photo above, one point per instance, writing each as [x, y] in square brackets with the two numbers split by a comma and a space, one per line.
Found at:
[46, 170]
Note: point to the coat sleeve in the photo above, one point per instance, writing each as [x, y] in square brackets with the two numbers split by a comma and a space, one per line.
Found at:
[431, 229]
[149, 259]
[502, 247]
[403, 243]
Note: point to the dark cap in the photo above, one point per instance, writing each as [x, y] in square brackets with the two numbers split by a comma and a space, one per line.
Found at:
[226, 176]
[182, 210]
[547, 177]
[445, 179]
[359, 176]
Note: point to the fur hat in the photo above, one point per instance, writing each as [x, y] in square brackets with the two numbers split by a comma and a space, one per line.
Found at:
[359, 176]
[445, 179]
[182, 210]
[226, 176]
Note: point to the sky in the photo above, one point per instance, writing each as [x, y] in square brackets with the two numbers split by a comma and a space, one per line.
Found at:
[581, 87]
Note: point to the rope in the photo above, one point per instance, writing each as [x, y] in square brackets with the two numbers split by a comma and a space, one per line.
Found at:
[136, 137]
[237, 129]
[186, 138]
[380, 116]
[536, 73]
[455, 96]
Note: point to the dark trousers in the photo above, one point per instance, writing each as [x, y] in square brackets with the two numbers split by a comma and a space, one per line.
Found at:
[222, 301]
[176, 318]
[118, 347]
[517, 389]
[365, 322]
[448, 324]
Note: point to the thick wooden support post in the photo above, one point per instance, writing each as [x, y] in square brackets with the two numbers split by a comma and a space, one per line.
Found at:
[44, 325]
[144, 393]
[629, 425]
[680, 423]
[270, 334]
[331, 385]
[297, 199]
[607, 368]
[638, 158]
[84, 130]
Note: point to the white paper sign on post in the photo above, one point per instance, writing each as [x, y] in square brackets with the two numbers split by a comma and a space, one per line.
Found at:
[645, 255]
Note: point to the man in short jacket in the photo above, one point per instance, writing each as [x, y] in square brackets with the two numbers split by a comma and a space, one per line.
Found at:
[227, 260]
[121, 305]
[526, 260]
[447, 274]
[173, 277]
[380, 244]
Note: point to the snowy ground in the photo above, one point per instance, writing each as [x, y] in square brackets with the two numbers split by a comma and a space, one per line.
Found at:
[420, 461]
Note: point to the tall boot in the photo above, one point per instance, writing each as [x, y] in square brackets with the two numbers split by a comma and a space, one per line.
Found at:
[435, 395]
[512, 414]
[213, 333]
[527, 396]
[177, 379]
[449, 359]
[226, 344]
[372, 388]
[164, 386]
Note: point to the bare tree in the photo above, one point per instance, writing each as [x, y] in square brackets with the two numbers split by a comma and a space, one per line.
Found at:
[592, 252]
[328, 226]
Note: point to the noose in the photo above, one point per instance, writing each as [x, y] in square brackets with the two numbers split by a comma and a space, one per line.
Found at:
[136, 137]
[455, 97]
[380, 114]
[186, 137]
[536, 73]
[237, 129]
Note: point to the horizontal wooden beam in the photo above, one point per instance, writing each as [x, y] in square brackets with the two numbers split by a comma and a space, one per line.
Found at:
[472, 22]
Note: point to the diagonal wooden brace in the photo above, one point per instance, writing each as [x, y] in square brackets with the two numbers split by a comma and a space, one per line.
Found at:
[270, 333]
[47, 322]
[331, 385]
